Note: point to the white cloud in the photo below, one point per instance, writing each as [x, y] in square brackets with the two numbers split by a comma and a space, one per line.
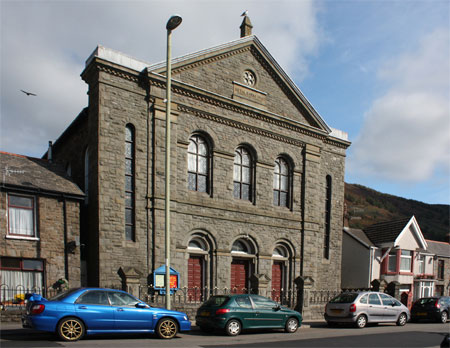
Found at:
[45, 44]
[406, 132]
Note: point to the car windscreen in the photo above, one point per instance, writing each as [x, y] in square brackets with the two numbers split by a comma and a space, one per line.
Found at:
[63, 295]
[344, 298]
[216, 301]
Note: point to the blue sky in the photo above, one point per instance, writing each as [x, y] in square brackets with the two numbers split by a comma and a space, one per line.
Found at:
[378, 70]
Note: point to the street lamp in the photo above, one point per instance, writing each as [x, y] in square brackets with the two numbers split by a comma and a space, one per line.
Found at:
[172, 23]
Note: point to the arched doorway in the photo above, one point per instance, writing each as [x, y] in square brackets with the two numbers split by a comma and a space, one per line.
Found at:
[197, 264]
[280, 268]
[243, 254]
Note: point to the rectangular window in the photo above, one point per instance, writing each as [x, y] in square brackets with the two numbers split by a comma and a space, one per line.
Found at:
[421, 264]
[405, 261]
[19, 276]
[21, 216]
[441, 268]
[392, 266]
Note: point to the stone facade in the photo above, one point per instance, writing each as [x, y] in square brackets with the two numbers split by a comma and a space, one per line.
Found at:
[271, 119]
[52, 245]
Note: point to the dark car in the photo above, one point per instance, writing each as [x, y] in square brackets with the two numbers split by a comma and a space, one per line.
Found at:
[361, 308]
[234, 313]
[431, 308]
[80, 311]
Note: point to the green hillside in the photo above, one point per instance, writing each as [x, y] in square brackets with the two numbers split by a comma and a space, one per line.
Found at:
[366, 207]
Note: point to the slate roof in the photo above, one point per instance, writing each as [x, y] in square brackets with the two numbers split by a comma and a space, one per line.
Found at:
[385, 232]
[359, 235]
[34, 174]
[438, 248]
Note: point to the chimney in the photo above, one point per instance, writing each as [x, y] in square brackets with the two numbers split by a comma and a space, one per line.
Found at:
[49, 152]
[246, 27]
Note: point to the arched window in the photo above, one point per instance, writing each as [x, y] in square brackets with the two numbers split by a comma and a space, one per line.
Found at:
[129, 183]
[326, 240]
[242, 176]
[198, 164]
[86, 176]
[281, 183]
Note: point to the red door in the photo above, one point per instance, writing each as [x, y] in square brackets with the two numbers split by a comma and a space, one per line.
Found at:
[239, 276]
[195, 278]
[277, 276]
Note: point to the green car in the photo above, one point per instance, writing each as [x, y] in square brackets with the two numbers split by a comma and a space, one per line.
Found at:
[234, 313]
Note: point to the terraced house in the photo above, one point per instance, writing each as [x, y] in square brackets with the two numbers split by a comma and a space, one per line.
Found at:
[257, 176]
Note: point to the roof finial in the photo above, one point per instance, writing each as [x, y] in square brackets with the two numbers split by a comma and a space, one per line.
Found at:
[246, 26]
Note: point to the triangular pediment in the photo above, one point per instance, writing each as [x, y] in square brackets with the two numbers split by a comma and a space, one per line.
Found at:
[244, 71]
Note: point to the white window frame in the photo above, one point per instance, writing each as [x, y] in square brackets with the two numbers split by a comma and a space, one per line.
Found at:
[406, 257]
[9, 234]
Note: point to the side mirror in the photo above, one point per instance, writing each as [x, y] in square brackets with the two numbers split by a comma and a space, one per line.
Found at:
[141, 305]
[277, 307]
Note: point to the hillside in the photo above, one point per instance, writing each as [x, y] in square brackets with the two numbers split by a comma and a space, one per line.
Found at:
[366, 207]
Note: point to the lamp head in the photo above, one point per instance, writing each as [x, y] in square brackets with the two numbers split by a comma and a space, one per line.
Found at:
[173, 22]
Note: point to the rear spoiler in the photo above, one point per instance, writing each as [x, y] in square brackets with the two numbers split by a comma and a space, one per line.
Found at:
[34, 297]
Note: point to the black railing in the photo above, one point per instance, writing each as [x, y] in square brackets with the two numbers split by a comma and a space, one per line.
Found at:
[15, 296]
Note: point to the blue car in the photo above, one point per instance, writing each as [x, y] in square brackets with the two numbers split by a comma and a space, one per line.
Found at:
[83, 311]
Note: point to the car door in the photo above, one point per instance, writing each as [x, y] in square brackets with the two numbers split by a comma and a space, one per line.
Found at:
[127, 316]
[390, 310]
[375, 308]
[267, 312]
[94, 309]
[244, 311]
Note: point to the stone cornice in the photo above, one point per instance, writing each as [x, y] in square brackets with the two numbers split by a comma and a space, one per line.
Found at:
[239, 125]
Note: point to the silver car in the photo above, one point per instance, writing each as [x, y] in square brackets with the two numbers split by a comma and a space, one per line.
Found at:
[365, 307]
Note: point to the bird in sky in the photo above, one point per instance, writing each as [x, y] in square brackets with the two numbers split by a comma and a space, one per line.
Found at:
[27, 93]
[245, 13]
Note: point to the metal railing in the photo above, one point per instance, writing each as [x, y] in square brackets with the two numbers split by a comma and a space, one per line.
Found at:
[14, 297]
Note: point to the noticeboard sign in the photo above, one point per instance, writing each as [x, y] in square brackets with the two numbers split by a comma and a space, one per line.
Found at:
[159, 280]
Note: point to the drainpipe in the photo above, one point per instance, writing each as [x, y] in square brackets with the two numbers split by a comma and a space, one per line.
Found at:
[66, 253]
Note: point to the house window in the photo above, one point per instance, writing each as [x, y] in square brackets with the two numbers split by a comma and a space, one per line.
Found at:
[421, 264]
[242, 176]
[441, 268]
[129, 183]
[426, 289]
[392, 265]
[198, 166]
[19, 276]
[281, 183]
[21, 216]
[326, 250]
[405, 261]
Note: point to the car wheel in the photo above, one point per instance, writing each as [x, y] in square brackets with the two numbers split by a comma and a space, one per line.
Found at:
[361, 321]
[402, 319]
[444, 317]
[167, 328]
[70, 329]
[291, 325]
[233, 327]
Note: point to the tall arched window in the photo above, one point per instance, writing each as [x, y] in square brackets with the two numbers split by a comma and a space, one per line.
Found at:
[86, 176]
[129, 183]
[326, 240]
[281, 183]
[242, 176]
[198, 164]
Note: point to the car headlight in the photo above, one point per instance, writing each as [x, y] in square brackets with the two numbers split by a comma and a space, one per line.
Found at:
[185, 317]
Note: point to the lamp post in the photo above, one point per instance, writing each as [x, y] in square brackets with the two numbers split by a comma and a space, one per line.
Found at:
[172, 23]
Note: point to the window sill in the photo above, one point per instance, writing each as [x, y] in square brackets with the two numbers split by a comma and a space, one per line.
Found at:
[22, 238]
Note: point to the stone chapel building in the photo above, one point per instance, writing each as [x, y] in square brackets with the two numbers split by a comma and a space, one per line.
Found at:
[257, 176]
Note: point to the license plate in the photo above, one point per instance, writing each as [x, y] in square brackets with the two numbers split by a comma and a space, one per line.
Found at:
[336, 311]
[204, 314]
[422, 314]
